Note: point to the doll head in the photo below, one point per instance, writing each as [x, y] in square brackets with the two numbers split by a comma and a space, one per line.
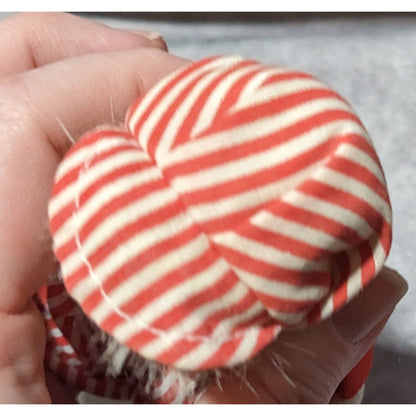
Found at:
[238, 200]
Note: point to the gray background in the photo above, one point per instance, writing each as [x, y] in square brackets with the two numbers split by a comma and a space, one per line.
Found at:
[371, 60]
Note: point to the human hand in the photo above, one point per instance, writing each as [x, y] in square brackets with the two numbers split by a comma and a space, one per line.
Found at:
[306, 366]
[86, 75]
[57, 70]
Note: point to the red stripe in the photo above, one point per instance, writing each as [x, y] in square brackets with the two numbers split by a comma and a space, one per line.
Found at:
[163, 284]
[271, 108]
[257, 144]
[173, 81]
[284, 243]
[222, 354]
[368, 267]
[356, 140]
[86, 141]
[285, 76]
[272, 272]
[266, 335]
[106, 180]
[315, 221]
[76, 277]
[134, 195]
[181, 311]
[360, 173]
[62, 309]
[340, 291]
[169, 112]
[54, 289]
[134, 229]
[279, 304]
[184, 132]
[345, 200]
[132, 268]
[174, 353]
[233, 94]
[61, 217]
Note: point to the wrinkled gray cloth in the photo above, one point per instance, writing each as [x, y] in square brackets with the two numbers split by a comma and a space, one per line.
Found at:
[371, 61]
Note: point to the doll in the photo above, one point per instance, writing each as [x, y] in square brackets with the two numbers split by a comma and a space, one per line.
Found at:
[238, 200]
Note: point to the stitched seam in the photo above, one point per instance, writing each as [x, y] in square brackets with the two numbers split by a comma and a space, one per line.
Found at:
[126, 317]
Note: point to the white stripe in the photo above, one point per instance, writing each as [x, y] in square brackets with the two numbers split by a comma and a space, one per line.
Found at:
[123, 216]
[181, 113]
[356, 155]
[183, 330]
[352, 186]
[269, 255]
[154, 91]
[54, 333]
[184, 391]
[167, 382]
[175, 296]
[140, 280]
[75, 159]
[151, 122]
[289, 318]
[277, 90]
[331, 211]
[258, 162]
[64, 348]
[254, 83]
[148, 99]
[253, 198]
[297, 231]
[246, 347]
[264, 126]
[304, 293]
[201, 353]
[123, 158]
[206, 115]
[354, 284]
[134, 246]
[379, 256]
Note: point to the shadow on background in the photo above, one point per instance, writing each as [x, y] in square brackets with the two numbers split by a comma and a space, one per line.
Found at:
[392, 379]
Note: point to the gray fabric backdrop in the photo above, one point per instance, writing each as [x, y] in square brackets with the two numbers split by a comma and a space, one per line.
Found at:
[371, 61]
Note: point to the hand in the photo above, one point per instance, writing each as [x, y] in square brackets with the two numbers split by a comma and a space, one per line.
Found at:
[57, 70]
[67, 73]
[306, 366]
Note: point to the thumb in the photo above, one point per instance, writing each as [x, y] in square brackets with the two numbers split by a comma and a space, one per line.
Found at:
[306, 366]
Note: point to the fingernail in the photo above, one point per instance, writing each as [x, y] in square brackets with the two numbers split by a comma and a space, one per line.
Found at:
[148, 34]
[154, 37]
[375, 303]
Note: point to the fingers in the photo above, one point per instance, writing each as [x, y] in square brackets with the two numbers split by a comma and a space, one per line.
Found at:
[89, 90]
[306, 366]
[356, 321]
[80, 92]
[22, 346]
[31, 40]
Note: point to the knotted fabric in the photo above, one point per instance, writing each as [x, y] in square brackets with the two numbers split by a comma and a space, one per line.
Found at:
[238, 200]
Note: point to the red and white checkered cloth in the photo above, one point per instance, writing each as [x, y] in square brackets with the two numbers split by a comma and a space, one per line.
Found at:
[238, 200]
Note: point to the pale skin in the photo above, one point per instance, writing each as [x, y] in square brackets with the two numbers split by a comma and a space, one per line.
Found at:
[60, 70]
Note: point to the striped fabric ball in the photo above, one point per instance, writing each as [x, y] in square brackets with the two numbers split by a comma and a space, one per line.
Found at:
[240, 199]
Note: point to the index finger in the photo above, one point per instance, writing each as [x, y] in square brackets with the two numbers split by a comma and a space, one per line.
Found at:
[77, 92]
[31, 40]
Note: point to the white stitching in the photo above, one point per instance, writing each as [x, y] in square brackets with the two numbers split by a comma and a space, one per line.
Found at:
[136, 322]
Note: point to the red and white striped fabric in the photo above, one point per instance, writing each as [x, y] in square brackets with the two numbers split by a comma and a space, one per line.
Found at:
[240, 199]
